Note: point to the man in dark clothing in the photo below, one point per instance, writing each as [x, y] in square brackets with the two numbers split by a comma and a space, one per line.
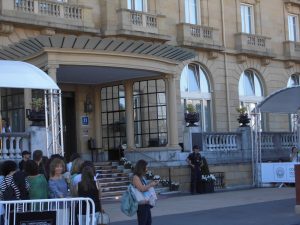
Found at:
[195, 162]
[25, 157]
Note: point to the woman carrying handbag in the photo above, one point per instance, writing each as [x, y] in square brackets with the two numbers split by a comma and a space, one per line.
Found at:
[139, 182]
[88, 187]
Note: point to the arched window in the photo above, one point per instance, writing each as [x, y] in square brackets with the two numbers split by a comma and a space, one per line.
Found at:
[250, 89]
[195, 89]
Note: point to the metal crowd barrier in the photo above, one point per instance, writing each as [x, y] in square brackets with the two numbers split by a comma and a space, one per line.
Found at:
[62, 211]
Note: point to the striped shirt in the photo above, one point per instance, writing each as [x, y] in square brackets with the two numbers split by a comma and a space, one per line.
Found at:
[9, 181]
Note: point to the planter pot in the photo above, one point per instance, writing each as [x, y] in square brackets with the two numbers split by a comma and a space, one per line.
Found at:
[209, 186]
[191, 119]
[174, 187]
[37, 117]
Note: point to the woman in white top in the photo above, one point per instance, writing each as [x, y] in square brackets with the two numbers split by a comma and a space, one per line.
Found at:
[294, 154]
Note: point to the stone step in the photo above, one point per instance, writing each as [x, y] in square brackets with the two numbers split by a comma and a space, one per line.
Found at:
[114, 183]
[112, 179]
[113, 188]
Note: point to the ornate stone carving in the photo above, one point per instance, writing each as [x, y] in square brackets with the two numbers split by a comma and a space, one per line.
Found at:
[48, 31]
[265, 61]
[289, 64]
[213, 55]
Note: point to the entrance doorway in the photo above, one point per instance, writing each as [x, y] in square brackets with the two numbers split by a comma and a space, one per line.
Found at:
[69, 123]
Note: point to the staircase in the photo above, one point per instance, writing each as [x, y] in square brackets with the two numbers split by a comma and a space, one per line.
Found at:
[113, 179]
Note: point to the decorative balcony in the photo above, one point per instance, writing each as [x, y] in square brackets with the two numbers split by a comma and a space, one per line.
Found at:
[252, 44]
[291, 50]
[136, 23]
[51, 14]
[198, 36]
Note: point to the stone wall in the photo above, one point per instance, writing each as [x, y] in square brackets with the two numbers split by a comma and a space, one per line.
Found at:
[235, 175]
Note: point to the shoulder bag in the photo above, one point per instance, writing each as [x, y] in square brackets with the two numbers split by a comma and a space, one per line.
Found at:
[103, 218]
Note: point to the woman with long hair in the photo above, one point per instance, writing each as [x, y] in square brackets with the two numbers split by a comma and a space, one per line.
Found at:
[58, 186]
[88, 188]
[144, 209]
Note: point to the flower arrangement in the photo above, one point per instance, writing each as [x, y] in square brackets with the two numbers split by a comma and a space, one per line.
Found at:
[149, 175]
[126, 163]
[37, 104]
[208, 178]
[243, 118]
[166, 183]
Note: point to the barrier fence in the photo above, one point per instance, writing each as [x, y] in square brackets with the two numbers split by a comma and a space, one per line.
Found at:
[64, 211]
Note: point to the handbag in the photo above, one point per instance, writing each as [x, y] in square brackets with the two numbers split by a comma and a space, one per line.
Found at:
[103, 218]
[139, 196]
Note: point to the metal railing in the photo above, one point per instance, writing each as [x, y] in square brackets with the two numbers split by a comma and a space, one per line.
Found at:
[61, 211]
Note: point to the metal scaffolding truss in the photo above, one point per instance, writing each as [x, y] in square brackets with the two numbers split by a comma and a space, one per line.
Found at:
[53, 121]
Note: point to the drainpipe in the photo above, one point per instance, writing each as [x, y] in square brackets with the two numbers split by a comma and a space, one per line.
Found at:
[225, 67]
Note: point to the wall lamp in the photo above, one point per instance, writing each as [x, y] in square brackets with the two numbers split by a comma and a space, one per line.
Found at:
[88, 106]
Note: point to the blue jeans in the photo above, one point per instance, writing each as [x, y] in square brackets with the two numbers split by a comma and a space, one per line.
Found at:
[144, 215]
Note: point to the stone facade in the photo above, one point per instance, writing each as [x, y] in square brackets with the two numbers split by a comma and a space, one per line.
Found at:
[110, 36]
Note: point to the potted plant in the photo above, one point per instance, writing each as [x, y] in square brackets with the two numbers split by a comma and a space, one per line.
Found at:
[191, 116]
[243, 118]
[208, 183]
[37, 111]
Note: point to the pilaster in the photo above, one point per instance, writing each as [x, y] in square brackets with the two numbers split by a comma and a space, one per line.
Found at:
[172, 111]
[129, 114]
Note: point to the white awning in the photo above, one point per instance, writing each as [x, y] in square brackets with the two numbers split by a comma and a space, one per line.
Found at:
[286, 100]
[16, 74]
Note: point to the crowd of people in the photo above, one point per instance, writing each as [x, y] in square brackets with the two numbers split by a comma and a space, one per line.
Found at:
[39, 177]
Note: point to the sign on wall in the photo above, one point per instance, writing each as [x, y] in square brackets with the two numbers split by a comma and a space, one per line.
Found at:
[85, 120]
[278, 172]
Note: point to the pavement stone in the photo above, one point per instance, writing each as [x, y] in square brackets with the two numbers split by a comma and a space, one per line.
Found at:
[185, 204]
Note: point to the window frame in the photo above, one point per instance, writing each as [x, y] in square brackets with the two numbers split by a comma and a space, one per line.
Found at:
[187, 17]
[204, 98]
[244, 24]
[131, 5]
[293, 34]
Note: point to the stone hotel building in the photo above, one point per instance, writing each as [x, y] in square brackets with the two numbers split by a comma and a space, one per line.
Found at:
[128, 69]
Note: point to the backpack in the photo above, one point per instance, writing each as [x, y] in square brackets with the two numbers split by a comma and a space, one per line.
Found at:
[9, 192]
[129, 204]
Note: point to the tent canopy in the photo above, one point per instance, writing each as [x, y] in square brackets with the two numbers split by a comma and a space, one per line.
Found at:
[286, 100]
[16, 74]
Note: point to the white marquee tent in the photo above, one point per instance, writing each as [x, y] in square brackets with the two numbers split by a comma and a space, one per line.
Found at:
[16, 74]
[284, 101]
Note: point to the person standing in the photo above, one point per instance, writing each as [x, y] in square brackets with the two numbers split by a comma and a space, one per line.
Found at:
[294, 154]
[58, 186]
[194, 160]
[88, 188]
[144, 210]
[25, 157]
[37, 182]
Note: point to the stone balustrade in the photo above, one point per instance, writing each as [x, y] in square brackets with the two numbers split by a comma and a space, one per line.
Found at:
[291, 49]
[198, 36]
[221, 141]
[138, 21]
[51, 14]
[12, 145]
[55, 9]
[253, 44]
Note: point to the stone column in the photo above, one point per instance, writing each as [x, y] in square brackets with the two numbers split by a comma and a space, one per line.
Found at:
[129, 115]
[98, 125]
[52, 69]
[172, 111]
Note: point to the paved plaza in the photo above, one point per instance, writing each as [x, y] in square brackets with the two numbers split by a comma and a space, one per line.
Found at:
[263, 206]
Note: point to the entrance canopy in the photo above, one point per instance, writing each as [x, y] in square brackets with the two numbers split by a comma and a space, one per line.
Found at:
[16, 74]
[286, 100]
